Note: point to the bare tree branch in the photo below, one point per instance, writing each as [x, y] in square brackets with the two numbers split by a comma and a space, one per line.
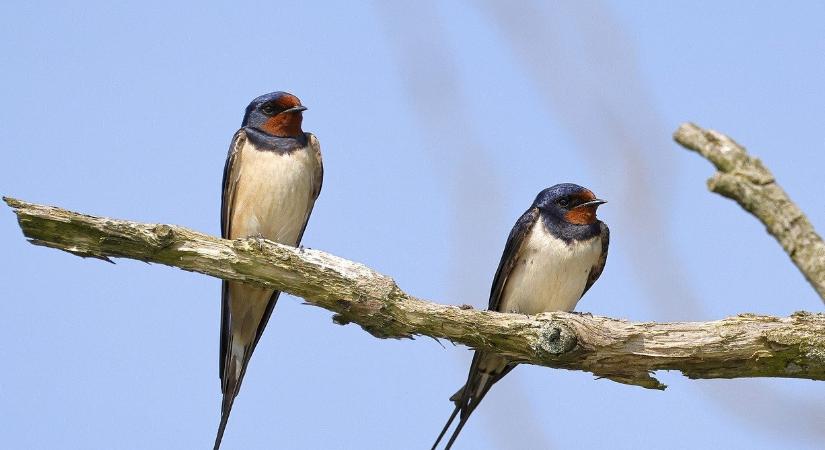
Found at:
[627, 352]
[744, 179]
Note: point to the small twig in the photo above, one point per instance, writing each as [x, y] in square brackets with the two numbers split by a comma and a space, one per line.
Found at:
[744, 179]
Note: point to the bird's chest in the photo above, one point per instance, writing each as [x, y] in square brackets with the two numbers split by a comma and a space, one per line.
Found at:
[550, 274]
[274, 193]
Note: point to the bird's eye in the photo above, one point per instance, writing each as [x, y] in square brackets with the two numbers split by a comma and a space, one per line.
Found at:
[564, 202]
[268, 109]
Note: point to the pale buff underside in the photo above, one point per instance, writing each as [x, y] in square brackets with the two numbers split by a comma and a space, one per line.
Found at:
[550, 275]
[273, 198]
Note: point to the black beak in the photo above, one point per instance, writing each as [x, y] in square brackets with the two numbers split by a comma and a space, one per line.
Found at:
[594, 203]
[298, 108]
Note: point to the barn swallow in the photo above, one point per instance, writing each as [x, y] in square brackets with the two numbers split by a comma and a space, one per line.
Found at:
[271, 180]
[555, 252]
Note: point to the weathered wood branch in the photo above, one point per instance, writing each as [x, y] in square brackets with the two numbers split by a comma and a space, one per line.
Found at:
[627, 352]
[744, 179]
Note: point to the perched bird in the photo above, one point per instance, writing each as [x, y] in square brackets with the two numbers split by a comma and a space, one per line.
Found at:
[271, 180]
[555, 252]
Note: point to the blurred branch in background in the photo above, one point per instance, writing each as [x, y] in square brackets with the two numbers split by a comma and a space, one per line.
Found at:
[626, 352]
[745, 180]
[462, 162]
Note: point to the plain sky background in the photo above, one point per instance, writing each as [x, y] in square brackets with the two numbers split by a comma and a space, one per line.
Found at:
[439, 123]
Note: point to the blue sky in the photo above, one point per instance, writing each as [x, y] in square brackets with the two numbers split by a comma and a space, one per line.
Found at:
[439, 123]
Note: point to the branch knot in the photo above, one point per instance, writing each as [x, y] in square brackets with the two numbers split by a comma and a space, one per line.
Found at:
[555, 338]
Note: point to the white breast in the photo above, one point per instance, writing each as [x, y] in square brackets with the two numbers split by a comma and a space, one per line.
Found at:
[274, 193]
[550, 274]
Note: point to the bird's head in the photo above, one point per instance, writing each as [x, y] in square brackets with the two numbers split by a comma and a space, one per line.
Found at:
[569, 202]
[276, 113]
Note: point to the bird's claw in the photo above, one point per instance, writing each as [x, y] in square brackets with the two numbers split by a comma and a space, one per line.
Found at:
[259, 240]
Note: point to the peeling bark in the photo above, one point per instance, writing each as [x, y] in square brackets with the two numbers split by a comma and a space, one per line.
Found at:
[626, 352]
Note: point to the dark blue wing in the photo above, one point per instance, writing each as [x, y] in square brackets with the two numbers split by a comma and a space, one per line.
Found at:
[597, 269]
[227, 195]
[511, 255]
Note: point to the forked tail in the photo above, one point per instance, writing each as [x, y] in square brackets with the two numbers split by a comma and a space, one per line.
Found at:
[465, 404]
[485, 370]
[446, 426]
[226, 408]
[231, 384]
[242, 324]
